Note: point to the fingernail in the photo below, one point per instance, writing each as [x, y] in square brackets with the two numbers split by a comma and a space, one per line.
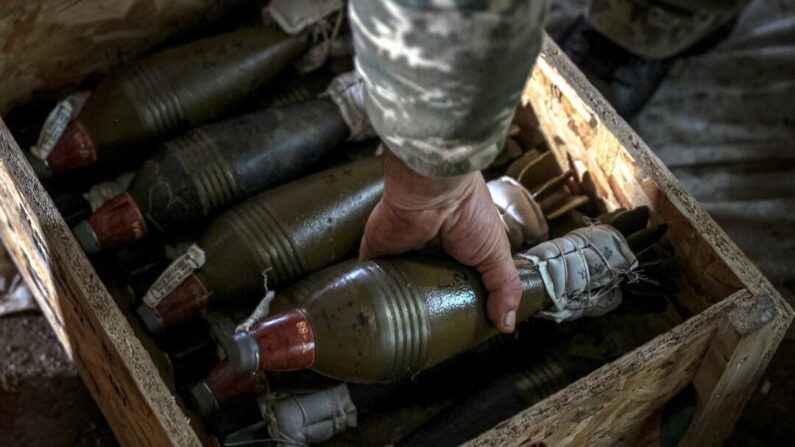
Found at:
[509, 320]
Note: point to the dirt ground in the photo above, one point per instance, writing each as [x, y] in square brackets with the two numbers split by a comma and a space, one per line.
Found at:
[768, 417]
[43, 402]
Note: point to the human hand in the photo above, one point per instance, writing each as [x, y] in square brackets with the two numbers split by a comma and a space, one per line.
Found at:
[458, 213]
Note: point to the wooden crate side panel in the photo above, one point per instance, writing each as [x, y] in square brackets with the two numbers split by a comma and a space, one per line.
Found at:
[577, 132]
[581, 124]
[92, 36]
[733, 364]
[117, 370]
[610, 406]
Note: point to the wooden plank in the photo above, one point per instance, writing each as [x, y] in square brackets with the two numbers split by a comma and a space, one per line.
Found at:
[115, 367]
[579, 123]
[734, 362]
[92, 36]
[610, 406]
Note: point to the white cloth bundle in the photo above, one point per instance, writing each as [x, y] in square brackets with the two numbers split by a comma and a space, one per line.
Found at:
[582, 271]
[347, 91]
[310, 418]
[317, 19]
[294, 16]
[104, 191]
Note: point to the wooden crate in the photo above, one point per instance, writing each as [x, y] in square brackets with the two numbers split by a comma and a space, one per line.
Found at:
[739, 317]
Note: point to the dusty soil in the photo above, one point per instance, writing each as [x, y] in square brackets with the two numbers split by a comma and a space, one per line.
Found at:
[767, 419]
[42, 400]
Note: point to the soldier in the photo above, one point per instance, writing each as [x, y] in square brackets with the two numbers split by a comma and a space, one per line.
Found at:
[443, 79]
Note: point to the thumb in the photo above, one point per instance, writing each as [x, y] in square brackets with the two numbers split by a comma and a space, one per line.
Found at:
[501, 279]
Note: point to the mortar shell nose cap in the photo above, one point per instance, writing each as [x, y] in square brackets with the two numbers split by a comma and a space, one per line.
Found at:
[151, 319]
[243, 352]
[117, 222]
[40, 167]
[202, 399]
[74, 149]
[87, 237]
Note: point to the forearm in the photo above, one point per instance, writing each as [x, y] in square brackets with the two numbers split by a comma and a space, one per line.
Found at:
[443, 78]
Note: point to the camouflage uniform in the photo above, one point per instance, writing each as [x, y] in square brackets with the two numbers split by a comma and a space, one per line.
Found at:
[443, 77]
[657, 29]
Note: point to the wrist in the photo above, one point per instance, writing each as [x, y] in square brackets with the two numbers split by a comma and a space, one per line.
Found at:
[407, 189]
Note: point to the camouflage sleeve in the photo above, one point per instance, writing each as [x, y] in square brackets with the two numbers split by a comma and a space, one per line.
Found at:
[443, 76]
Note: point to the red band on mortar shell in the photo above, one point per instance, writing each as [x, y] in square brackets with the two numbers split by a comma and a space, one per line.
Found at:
[75, 149]
[283, 342]
[225, 385]
[117, 221]
[184, 303]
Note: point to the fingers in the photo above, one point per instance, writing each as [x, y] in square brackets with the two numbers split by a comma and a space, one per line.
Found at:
[375, 241]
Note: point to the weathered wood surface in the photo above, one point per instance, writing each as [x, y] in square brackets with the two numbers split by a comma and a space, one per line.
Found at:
[580, 124]
[51, 44]
[115, 367]
[731, 368]
[610, 404]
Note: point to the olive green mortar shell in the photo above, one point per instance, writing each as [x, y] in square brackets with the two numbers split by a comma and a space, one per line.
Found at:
[170, 92]
[488, 403]
[289, 231]
[212, 167]
[379, 321]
